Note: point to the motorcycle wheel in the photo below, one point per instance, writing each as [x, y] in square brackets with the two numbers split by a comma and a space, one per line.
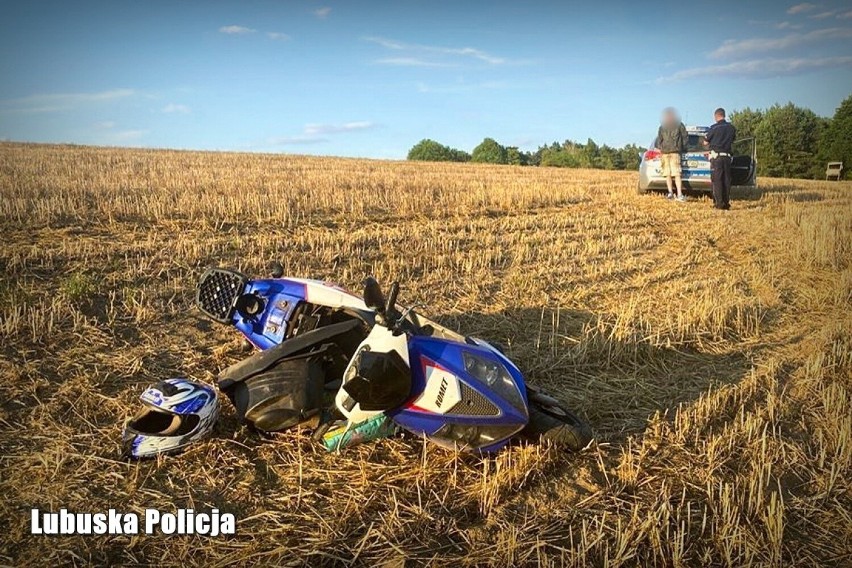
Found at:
[551, 421]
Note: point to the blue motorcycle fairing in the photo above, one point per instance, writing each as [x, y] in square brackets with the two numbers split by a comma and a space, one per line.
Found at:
[448, 355]
[281, 296]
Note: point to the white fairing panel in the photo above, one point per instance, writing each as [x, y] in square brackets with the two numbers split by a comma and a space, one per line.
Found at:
[380, 340]
[442, 391]
[331, 295]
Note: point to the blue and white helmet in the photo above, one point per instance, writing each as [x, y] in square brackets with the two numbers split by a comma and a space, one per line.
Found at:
[176, 412]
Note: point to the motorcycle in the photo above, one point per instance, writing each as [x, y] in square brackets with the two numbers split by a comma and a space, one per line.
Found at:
[358, 368]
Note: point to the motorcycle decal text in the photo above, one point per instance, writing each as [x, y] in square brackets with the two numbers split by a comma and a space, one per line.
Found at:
[442, 390]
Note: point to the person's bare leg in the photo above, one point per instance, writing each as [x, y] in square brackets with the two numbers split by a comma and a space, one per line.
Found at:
[669, 185]
[679, 185]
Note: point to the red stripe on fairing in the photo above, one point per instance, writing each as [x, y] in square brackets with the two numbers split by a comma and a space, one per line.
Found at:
[424, 363]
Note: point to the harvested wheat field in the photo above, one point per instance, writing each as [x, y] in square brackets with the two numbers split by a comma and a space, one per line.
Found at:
[710, 351]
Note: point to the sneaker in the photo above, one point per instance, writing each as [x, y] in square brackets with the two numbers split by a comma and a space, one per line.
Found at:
[681, 198]
[670, 196]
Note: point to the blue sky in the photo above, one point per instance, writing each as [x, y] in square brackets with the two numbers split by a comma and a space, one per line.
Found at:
[372, 78]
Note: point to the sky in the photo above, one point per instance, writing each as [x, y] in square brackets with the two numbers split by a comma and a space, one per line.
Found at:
[370, 79]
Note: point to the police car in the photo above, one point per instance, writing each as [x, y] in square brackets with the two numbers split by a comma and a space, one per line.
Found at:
[695, 164]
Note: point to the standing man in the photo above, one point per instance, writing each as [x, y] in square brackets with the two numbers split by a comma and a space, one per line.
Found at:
[672, 139]
[720, 139]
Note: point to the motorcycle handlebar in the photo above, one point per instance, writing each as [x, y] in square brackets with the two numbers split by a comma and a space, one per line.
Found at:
[394, 292]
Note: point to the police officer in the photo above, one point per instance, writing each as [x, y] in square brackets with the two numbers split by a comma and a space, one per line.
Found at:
[720, 139]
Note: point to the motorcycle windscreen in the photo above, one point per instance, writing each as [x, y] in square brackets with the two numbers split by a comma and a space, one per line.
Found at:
[382, 382]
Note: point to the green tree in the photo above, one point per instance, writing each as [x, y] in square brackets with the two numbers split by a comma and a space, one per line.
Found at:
[535, 157]
[559, 158]
[430, 151]
[630, 156]
[515, 157]
[490, 151]
[458, 155]
[570, 154]
[836, 142]
[608, 158]
[591, 154]
[788, 141]
[746, 121]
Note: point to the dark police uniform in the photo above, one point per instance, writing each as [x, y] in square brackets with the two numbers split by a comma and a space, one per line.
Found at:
[720, 138]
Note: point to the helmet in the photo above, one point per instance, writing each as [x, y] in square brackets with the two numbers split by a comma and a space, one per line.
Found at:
[176, 412]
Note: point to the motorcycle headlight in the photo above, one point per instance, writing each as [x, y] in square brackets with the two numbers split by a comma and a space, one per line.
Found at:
[494, 375]
[472, 437]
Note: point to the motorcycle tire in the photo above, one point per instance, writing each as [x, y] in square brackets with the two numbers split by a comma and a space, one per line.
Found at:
[551, 421]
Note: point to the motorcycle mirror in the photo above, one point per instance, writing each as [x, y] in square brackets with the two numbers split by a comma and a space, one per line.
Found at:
[373, 296]
[275, 269]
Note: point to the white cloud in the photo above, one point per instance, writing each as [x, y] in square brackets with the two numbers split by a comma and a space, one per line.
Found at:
[445, 52]
[236, 30]
[760, 68]
[243, 30]
[462, 87]
[317, 133]
[173, 108]
[128, 135]
[61, 101]
[107, 134]
[783, 25]
[801, 8]
[316, 129]
[410, 62]
[738, 48]
[823, 15]
[844, 15]
[388, 43]
[295, 140]
[322, 12]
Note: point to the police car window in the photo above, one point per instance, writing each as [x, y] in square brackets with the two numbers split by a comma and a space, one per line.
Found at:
[743, 147]
[694, 144]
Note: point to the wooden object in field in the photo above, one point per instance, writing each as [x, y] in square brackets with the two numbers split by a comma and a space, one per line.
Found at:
[834, 170]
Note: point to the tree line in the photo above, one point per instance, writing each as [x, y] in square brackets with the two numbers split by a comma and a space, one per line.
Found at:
[795, 142]
[568, 154]
[791, 142]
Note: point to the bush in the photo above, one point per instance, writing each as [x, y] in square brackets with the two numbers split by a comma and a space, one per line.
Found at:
[430, 151]
[490, 151]
[515, 157]
[559, 159]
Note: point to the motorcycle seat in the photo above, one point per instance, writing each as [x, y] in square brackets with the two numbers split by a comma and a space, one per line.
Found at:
[295, 346]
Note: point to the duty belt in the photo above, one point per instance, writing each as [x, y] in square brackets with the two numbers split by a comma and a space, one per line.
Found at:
[714, 154]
